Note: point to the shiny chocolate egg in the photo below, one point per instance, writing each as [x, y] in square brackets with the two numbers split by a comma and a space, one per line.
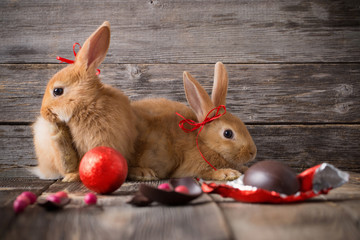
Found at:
[272, 176]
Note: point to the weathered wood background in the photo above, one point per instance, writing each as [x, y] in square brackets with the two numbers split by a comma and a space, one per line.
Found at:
[294, 66]
[294, 70]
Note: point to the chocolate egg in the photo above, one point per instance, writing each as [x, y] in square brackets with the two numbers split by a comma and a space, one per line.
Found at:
[272, 176]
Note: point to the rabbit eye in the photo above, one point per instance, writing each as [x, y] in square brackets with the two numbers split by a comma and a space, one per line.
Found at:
[228, 134]
[58, 91]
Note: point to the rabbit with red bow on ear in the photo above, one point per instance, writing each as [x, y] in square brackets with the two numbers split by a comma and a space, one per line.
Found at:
[79, 113]
[163, 150]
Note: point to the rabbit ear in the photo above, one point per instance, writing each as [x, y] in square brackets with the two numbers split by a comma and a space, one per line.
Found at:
[197, 97]
[94, 50]
[220, 86]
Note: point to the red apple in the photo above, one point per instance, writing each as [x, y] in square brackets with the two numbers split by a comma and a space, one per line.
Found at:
[103, 170]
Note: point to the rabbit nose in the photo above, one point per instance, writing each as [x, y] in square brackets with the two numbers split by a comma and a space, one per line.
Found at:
[252, 152]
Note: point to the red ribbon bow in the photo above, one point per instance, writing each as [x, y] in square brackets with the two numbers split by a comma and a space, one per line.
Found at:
[201, 126]
[64, 60]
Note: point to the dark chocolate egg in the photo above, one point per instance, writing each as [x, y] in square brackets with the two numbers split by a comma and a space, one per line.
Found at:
[272, 176]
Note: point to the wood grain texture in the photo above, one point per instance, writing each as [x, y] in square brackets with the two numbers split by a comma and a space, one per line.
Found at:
[167, 31]
[300, 146]
[113, 218]
[304, 146]
[294, 71]
[16, 146]
[258, 93]
[10, 188]
[311, 220]
[332, 216]
[14, 181]
[16, 172]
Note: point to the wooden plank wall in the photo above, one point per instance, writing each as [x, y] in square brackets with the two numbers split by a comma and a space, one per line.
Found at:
[294, 66]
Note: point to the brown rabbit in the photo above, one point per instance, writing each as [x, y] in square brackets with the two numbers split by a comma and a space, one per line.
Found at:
[79, 113]
[163, 150]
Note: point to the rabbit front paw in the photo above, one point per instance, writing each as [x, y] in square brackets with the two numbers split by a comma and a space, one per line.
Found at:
[225, 174]
[49, 115]
[71, 177]
[243, 169]
[142, 174]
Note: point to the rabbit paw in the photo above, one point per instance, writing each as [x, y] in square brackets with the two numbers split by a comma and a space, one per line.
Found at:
[142, 174]
[243, 169]
[49, 115]
[225, 174]
[71, 177]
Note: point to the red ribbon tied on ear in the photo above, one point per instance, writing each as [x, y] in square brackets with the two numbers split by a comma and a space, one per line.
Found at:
[201, 126]
[64, 60]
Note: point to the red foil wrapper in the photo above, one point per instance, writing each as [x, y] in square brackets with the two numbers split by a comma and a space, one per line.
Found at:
[313, 181]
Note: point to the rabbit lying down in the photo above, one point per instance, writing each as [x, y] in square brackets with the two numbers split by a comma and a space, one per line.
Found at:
[79, 113]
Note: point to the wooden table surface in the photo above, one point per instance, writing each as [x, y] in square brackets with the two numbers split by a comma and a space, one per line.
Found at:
[294, 79]
[332, 216]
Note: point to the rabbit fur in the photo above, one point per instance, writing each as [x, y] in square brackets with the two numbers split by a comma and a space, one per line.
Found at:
[85, 113]
[163, 150]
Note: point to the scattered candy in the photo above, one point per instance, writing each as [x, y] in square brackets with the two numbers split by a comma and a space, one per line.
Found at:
[103, 170]
[90, 199]
[30, 195]
[164, 186]
[54, 199]
[182, 189]
[61, 194]
[23, 200]
[19, 205]
[53, 202]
